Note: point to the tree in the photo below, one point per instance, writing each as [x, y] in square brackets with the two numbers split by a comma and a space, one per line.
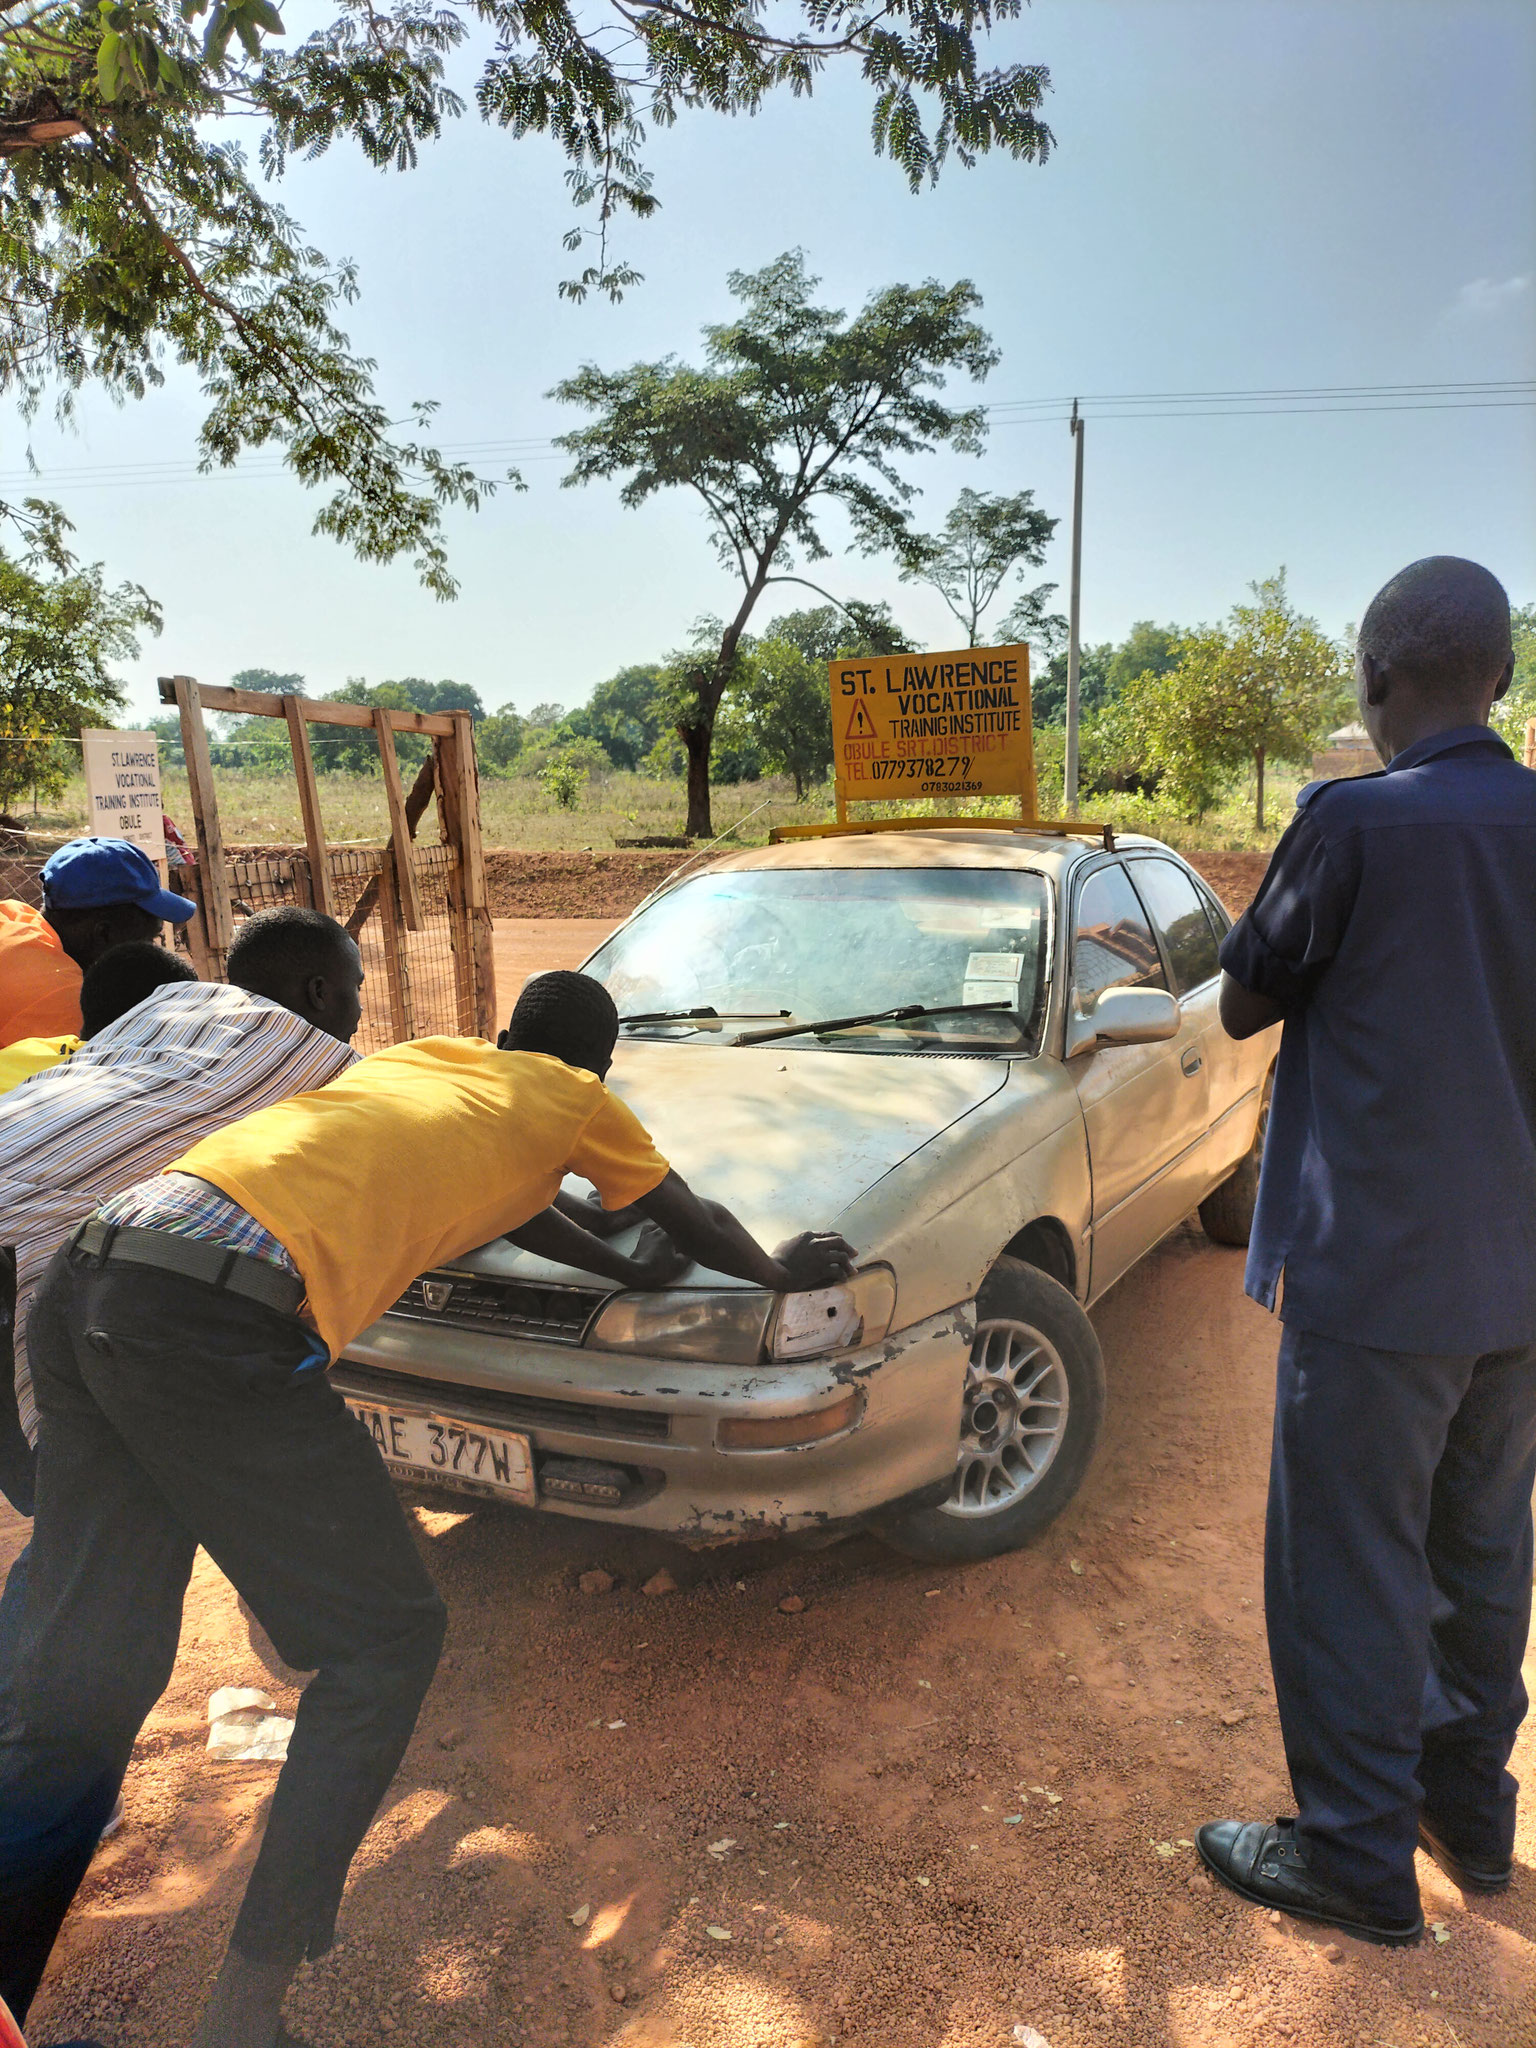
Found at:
[1519, 702]
[623, 715]
[798, 408]
[1145, 650]
[1048, 693]
[499, 739]
[60, 631]
[1262, 687]
[783, 703]
[985, 539]
[135, 229]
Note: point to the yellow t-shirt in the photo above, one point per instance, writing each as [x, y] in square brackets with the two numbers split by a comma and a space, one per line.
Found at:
[26, 1056]
[417, 1155]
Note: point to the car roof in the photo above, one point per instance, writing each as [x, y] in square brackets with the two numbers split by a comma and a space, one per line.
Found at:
[946, 847]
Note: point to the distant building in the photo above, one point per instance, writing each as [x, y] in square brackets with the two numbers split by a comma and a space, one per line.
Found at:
[1347, 752]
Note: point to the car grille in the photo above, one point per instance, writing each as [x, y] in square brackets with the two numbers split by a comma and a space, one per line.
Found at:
[506, 1308]
[500, 1408]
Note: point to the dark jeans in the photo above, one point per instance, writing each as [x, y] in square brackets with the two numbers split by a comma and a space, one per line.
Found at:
[1397, 1584]
[171, 1416]
[17, 1464]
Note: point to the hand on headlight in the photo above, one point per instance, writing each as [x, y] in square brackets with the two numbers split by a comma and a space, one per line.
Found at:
[656, 1260]
[816, 1258]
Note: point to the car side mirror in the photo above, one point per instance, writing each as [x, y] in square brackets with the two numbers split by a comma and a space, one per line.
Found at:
[1123, 1016]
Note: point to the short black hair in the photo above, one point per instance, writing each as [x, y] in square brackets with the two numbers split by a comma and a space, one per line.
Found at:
[276, 950]
[569, 1016]
[122, 977]
[1443, 623]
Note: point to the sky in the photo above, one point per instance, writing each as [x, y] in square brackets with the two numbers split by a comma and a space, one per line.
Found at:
[1276, 194]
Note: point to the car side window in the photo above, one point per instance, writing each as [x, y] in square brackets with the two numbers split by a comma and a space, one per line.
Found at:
[1182, 919]
[1113, 946]
[1215, 910]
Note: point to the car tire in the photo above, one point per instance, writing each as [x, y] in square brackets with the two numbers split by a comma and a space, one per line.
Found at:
[1034, 1406]
[1226, 1214]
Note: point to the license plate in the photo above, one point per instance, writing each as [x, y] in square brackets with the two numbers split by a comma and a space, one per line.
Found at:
[488, 1460]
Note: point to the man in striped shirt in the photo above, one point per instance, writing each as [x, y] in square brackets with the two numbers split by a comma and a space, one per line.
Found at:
[191, 1059]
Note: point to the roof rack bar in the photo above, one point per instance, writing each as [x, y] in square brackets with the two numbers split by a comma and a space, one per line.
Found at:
[1061, 828]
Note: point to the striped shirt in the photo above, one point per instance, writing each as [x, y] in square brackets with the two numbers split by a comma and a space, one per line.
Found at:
[184, 1206]
[190, 1058]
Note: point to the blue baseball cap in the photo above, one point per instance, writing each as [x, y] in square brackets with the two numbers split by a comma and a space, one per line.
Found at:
[90, 874]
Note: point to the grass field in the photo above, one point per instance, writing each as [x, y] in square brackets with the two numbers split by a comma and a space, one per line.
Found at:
[255, 807]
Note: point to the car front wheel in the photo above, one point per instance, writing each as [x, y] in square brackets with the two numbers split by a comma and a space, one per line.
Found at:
[1034, 1405]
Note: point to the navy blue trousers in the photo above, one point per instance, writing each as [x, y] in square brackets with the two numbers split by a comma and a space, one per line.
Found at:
[1397, 1587]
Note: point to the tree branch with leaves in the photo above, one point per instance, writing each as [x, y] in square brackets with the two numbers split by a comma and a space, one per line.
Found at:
[132, 228]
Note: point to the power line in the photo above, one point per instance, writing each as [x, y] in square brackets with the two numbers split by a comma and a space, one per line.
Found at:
[1480, 395]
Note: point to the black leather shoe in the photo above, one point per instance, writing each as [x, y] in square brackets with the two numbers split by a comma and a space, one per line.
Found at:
[1472, 1873]
[1260, 1861]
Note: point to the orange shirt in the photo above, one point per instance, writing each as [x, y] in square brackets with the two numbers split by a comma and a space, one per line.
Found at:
[39, 983]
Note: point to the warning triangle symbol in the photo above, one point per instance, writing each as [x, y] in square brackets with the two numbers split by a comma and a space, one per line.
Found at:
[860, 725]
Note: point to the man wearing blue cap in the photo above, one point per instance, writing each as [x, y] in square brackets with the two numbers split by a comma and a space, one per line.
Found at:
[96, 893]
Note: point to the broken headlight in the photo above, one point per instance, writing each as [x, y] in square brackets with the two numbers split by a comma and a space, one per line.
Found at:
[737, 1326]
[835, 1318]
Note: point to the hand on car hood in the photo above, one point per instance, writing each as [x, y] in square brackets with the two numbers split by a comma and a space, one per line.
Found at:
[787, 1139]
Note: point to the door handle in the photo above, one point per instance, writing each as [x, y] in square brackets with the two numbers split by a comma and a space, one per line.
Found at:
[1189, 1060]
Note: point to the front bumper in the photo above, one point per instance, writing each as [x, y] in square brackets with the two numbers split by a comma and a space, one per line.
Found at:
[658, 1420]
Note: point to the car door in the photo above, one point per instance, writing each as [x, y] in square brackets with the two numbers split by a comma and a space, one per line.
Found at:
[1143, 1105]
[1191, 927]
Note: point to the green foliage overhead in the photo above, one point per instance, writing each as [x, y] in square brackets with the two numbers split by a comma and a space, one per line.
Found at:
[61, 629]
[797, 409]
[986, 538]
[1265, 686]
[135, 230]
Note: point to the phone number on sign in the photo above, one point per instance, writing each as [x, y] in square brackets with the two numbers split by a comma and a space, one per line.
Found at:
[950, 768]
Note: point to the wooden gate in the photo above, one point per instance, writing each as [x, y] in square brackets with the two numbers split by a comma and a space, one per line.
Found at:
[418, 911]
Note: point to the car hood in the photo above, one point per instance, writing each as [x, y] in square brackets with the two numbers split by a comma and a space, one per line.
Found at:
[786, 1139]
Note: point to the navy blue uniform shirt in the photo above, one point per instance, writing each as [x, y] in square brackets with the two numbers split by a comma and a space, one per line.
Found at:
[1396, 928]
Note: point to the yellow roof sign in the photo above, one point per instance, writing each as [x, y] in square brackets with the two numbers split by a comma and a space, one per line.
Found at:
[933, 725]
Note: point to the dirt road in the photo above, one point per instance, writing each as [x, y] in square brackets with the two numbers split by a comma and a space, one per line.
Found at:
[922, 1810]
[925, 1809]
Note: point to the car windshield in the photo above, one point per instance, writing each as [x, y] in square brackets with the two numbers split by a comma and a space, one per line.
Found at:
[832, 942]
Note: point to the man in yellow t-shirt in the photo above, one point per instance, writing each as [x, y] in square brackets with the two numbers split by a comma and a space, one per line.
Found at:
[178, 1353]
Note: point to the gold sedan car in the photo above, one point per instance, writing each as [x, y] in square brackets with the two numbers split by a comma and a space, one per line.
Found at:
[992, 1060]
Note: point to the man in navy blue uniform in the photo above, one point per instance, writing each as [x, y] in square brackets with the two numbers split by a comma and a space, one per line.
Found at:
[1395, 934]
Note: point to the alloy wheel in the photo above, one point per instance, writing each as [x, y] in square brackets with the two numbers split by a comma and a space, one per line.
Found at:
[1017, 1401]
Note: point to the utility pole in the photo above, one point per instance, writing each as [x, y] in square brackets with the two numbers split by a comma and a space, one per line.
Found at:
[1074, 611]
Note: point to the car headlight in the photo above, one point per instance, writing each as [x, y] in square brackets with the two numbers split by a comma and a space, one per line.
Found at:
[732, 1327]
[724, 1329]
[838, 1318]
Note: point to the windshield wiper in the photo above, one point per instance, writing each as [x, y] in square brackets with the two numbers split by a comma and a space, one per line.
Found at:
[706, 1012]
[897, 1016]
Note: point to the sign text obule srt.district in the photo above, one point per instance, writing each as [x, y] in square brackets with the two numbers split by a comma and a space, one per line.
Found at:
[942, 725]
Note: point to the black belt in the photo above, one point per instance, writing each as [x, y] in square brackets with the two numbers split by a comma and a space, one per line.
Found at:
[195, 1259]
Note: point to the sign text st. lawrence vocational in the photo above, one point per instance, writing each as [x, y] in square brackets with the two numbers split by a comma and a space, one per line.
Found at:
[933, 725]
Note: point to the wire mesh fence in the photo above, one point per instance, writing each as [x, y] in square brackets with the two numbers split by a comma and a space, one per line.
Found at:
[418, 984]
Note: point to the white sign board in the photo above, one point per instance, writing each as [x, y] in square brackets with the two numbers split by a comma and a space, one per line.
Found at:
[122, 782]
